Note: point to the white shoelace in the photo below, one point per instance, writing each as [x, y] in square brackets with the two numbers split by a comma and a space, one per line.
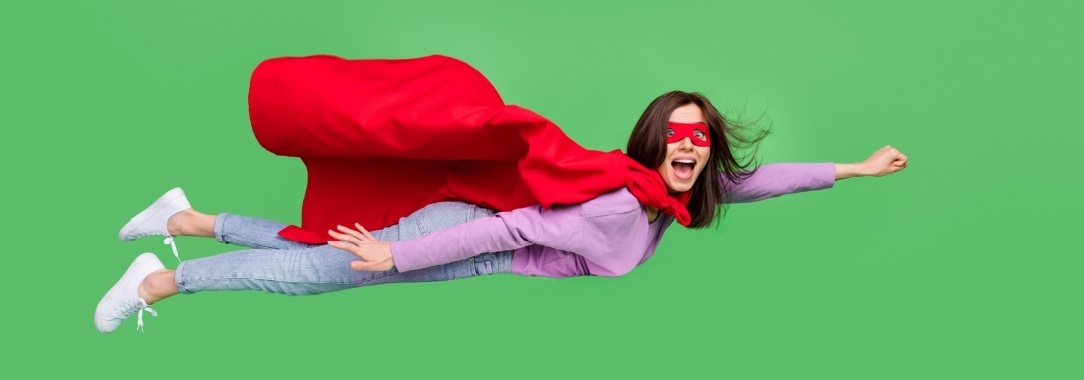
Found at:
[132, 306]
[169, 240]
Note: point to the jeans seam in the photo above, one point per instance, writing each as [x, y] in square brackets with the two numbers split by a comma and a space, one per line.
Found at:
[382, 275]
[242, 242]
[282, 281]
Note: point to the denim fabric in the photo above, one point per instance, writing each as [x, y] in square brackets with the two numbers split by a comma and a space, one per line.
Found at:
[278, 265]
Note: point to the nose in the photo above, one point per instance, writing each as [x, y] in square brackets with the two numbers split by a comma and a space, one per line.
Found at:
[685, 143]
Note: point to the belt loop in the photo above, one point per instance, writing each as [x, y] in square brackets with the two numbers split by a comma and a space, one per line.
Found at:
[504, 263]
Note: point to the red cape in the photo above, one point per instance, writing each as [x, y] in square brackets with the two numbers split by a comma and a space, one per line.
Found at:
[382, 138]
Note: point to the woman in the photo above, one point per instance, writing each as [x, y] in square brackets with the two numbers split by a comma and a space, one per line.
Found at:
[680, 134]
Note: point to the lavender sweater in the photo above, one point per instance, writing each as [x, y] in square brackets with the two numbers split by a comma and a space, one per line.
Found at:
[606, 236]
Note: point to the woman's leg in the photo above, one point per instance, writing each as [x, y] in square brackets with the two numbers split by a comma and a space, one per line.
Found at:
[252, 232]
[306, 271]
[234, 229]
[313, 269]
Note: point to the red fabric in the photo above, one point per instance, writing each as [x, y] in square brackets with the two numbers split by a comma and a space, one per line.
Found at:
[382, 138]
[683, 130]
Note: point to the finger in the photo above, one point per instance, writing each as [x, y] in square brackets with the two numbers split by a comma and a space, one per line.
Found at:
[364, 231]
[362, 265]
[344, 237]
[352, 233]
[347, 247]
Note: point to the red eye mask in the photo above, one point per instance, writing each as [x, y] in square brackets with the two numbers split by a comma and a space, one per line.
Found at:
[697, 132]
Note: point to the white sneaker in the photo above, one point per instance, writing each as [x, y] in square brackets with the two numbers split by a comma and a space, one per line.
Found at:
[123, 299]
[152, 221]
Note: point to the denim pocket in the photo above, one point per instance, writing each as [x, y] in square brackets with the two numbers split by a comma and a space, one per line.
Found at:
[420, 219]
[441, 215]
[479, 212]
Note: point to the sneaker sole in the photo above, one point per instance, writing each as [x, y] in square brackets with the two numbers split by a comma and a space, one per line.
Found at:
[142, 217]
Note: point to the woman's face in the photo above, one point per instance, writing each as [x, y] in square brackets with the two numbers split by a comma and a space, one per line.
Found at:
[677, 171]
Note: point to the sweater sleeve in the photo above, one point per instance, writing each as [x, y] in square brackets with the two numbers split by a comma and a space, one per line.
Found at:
[615, 234]
[560, 227]
[615, 244]
[773, 180]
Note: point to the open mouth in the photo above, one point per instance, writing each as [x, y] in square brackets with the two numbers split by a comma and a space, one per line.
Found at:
[683, 168]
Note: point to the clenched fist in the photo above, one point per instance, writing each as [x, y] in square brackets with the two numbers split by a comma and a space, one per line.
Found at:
[886, 160]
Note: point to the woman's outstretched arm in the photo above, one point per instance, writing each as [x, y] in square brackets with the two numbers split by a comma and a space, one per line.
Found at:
[560, 227]
[773, 180]
[605, 236]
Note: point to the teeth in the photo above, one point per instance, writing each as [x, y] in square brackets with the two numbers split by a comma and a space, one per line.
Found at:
[685, 161]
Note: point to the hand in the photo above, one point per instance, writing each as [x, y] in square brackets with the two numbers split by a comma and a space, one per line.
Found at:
[884, 161]
[375, 255]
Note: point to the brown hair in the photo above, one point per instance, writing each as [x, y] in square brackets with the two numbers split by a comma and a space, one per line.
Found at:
[710, 193]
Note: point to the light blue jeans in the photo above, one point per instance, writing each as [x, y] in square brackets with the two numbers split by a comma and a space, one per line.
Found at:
[278, 265]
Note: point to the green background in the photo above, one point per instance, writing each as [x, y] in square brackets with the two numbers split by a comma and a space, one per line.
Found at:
[961, 266]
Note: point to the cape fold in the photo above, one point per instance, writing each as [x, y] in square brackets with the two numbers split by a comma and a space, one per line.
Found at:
[382, 138]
